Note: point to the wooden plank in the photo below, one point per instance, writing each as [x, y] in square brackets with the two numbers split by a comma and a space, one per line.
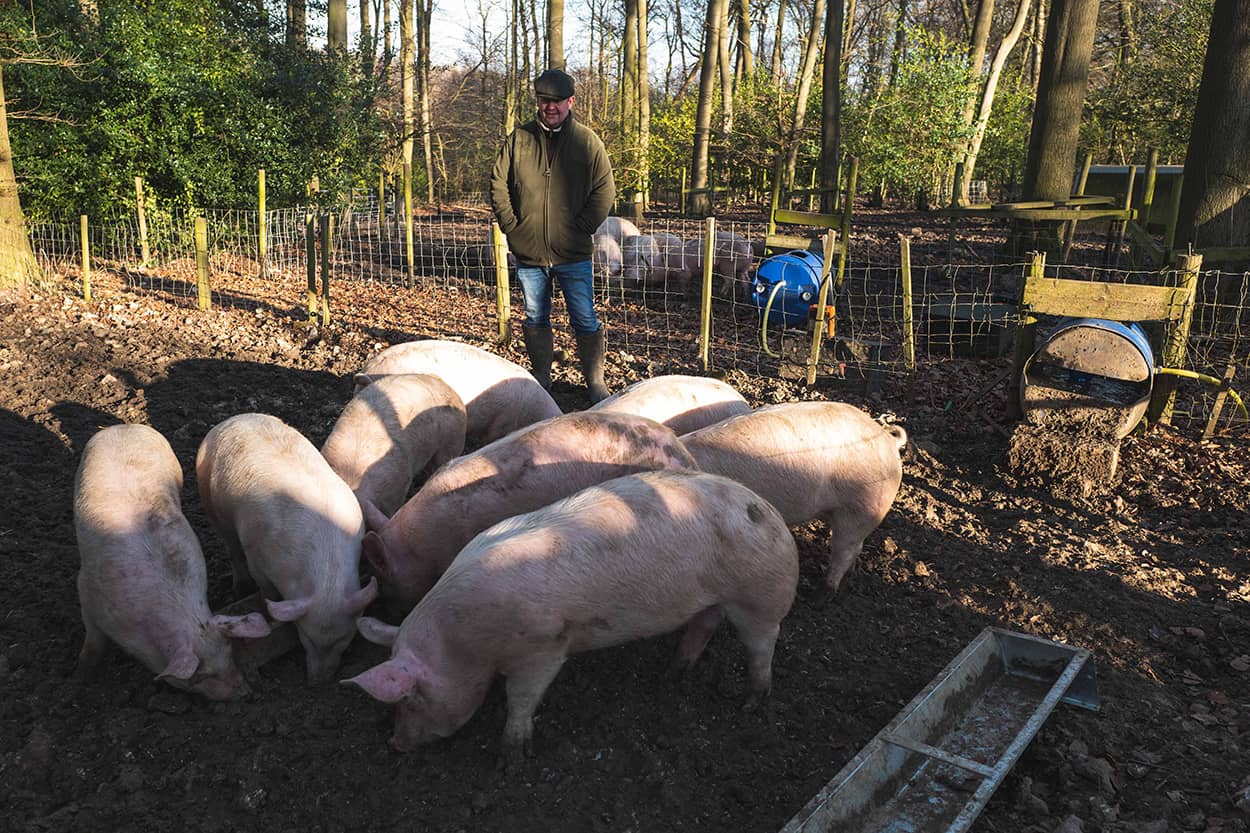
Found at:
[1218, 407]
[806, 218]
[1224, 254]
[1069, 213]
[786, 241]
[1118, 302]
[1146, 243]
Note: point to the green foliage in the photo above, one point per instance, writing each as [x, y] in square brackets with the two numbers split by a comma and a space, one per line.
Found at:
[192, 96]
[1148, 101]
[907, 134]
[1006, 143]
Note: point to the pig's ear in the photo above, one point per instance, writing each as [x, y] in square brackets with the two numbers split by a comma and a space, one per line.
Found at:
[362, 380]
[375, 518]
[363, 597]
[374, 551]
[389, 682]
[181, 667]
[288, 610]
[377, 631]
[251, 626]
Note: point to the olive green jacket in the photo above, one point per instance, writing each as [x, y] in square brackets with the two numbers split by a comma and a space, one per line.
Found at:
[550, 211]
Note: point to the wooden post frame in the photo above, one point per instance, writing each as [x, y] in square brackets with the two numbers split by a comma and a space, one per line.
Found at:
[203, 292]
[381, 202]
[1176, 336]
[327, 258]
[262, 237]
[1026, 330]
[822, 301]
[705, 309]
[310, 261]
[503, 289]
[909, 332]
[145, 253]
[410, 274]
[85, 248]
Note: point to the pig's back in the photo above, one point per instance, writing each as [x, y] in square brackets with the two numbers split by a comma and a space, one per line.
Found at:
[634, 557]
[499, 396]
[128, 475]
[683, 403]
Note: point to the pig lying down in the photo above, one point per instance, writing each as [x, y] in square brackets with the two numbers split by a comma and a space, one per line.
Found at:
[519, 473]
[390, 432]
[292, 526]
[142, 583]
[683, 403]
[499, 396]
[634, 557]
[825, 460]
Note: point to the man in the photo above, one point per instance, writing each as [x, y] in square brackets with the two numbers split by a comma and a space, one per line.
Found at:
[551, 188]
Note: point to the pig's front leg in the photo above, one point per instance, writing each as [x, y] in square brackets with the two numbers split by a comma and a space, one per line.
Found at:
[94, 646]
[525, 688]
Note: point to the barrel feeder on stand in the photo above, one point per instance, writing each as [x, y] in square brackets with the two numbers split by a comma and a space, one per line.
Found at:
[1091, 375]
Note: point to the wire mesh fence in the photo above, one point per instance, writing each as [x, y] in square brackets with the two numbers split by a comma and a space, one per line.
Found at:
[958, 310]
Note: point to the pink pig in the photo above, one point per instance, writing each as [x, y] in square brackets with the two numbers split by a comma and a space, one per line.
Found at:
[142, 583]
[826, 460]
[390, 432]
[519, 473]
[631, 558]
[732, 259]
[683, 403]
[292, 526]
[499, 396]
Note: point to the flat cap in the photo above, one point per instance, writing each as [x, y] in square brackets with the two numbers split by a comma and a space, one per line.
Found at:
[554, 83]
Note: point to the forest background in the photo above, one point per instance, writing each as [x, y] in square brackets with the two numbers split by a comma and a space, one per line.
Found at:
[196, 95]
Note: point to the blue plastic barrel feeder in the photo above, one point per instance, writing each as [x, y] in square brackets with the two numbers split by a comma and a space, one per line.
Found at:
[798, 273]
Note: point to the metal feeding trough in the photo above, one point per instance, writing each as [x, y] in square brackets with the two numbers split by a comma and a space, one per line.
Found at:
[935, 766]
[1092, 373]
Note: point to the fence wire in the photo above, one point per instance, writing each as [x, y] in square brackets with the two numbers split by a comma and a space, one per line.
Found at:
[960, 310]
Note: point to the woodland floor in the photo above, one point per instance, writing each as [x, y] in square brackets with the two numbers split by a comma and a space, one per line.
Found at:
[1153, 577]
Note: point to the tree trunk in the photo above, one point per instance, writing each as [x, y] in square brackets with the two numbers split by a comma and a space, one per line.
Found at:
[511, 78]
[336, 26]
[555, 34]
[1213, 211]
[18, 266]
[388, 51]
[807, 72]
[1038, 38]
[726, 75]
[987, 96]
[701, 199]
[1128, 33]
[1060, 99]
[976, 57]
[367, 42]
[831, 108]
[644, 101]
[406, 68]
[848, 26]
[628, 88]
[296, 24]
[425, 10]
[745, 60]
[900, 41]
[778, 36]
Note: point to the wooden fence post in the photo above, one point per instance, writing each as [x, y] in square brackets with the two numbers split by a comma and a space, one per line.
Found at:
[327, 257]
[1174, 210]
[411, 274]
[848, 209]
[1069, 230]
[204, 295]
[822, 301]
[909, 333]
[705, 310]
[1163, 398]
[1026, 329]
[310, 259]
[144, 253]
[503, 289]
[381, 202]
[86, 257]
[262, 241]
[681, 199]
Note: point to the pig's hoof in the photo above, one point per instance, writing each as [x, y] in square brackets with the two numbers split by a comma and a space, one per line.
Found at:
[514, 756]
[757, 701]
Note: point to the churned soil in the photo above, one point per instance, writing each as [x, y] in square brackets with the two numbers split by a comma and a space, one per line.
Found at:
[1152, 575]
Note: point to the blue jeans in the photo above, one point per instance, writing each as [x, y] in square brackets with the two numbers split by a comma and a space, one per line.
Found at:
[577, 284]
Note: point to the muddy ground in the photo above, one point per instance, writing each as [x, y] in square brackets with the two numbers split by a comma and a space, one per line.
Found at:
[1153, 577]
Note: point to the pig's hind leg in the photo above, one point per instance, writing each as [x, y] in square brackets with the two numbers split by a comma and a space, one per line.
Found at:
[698, 633]
[759, 636]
